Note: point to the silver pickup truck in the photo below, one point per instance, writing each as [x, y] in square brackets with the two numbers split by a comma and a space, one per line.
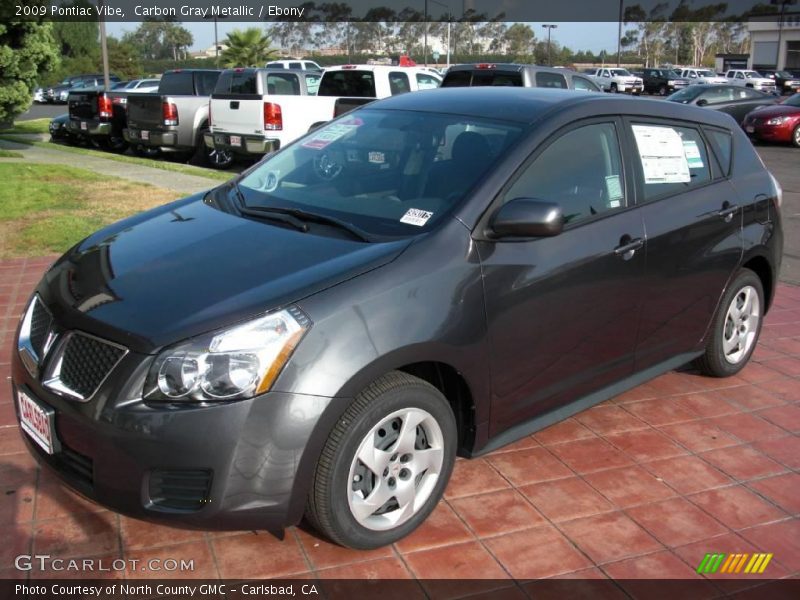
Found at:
[174, 118]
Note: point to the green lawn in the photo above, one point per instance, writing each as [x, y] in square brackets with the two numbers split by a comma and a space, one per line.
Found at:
[134, 160]
[31, 126]
[9, 154]
[45, 209]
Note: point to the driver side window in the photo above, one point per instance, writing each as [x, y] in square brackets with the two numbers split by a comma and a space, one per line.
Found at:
[581, 171]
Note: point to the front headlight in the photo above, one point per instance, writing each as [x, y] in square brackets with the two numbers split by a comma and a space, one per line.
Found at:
[777, 120]
[232, 364]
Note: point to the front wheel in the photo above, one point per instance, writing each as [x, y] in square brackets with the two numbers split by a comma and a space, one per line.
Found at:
[796, 136]
[614, 89]
[385, 465]
[736, 327]
[662, 91]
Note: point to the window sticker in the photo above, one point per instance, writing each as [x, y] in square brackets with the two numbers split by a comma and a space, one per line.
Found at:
[377, 158]
[415, 216]
[662, 153]
[331, 133]
[693, 157]
[614, 191]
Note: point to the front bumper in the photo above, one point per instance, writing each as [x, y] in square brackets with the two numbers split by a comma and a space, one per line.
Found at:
[768, 133]
[242, 465]
[88, 127]
[249, 144]
[155, 138]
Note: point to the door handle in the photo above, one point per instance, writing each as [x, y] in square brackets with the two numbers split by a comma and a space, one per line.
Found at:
[628, 247]
[727, 211]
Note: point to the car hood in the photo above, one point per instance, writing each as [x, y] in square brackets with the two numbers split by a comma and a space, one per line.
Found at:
[777, 110]
[188, 268]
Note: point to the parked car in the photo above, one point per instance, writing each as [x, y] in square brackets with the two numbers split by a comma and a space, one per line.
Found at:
[700, 75]
[662, 81]
[777, 123]
[785, 82]
[750, 79]
[54, 94]
[142, 86]
[300, 63]
[734, 100]
[256, 111]
[435, 274]
[616, 79]
[175, 117]
[516, 75]
[58, 127]
[38, 95]
[99, 117]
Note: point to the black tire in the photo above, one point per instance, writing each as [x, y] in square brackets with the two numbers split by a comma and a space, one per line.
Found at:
[662, 91]
[614, 88]
[713, 362]
[211, 157]
[146, 151]
[328, 509]
[796, 136]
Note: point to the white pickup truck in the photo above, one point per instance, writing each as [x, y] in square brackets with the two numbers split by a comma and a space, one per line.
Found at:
[251, 115]
[616, 79]
[751, 79]
[700, 75]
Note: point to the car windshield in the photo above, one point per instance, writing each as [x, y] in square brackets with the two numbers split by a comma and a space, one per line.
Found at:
[751, 74]
[687, 94]
[389, 173]
[792, 101]
[706, 73]
[673, 73]
[622, 72]
[783, 74]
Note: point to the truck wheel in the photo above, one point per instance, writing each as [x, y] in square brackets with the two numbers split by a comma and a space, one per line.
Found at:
[662, 91]
[614, 89]
[146, 151]
[385, 465]
[211, 157]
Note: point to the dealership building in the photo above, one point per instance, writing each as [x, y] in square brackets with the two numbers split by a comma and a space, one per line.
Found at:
[775, 45]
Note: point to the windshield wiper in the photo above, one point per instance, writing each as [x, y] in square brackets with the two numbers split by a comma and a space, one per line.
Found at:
[266, 213]
[305, 215]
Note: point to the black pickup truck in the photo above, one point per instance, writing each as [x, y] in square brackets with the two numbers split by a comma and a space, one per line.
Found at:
[174, 118]
[663, 81]
[99, 117]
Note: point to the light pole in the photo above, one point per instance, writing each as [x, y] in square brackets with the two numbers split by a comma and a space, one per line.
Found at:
[104, 50]
[425, 43]
[449, 18]
[216, 38]
[549, 31]
[619, 32]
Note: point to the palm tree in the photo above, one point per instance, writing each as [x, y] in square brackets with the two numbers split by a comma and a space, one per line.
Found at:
[248, 48]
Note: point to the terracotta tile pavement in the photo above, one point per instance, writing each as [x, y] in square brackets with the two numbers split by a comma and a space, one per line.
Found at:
[640, 486]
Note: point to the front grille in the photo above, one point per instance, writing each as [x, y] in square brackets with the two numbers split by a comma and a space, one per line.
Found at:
[86, 362]
[185, 490]
[41, 321]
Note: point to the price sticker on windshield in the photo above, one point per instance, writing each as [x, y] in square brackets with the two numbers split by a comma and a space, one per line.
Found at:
[415, 216]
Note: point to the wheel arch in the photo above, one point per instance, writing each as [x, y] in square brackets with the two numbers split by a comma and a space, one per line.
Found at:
[759, 264]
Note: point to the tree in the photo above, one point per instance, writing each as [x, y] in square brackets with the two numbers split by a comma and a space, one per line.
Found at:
[520, 39]
[123, 59]
[157, 39]
[27, 49]
[247, 48]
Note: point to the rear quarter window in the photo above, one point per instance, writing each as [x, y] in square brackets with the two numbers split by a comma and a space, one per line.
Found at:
[722, 146]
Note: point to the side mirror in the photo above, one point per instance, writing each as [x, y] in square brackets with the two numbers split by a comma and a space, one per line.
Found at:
[526, 217]
[702, 102]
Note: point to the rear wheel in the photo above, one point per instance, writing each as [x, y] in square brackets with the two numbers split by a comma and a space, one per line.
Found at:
[736, 327]
[385, 465]
[662, 91]
[211, 157]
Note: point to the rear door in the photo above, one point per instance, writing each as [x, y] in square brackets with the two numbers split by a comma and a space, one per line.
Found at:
[562, 311]
[693, 220]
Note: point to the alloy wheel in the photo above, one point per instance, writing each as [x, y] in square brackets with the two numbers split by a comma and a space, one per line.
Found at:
[741, 324]
[395, 469]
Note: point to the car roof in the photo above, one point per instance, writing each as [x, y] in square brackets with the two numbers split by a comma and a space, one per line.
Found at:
[504, 67]
[528, 105]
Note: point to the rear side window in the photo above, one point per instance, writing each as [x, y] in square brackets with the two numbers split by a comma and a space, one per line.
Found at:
[551, 80]
[285, 84]
[206, 82]
[673, 159]
[581, 171]
[275, 65]
[178, 83]
[398, 83]
[295, 65]
[357, 84]
[722, 146]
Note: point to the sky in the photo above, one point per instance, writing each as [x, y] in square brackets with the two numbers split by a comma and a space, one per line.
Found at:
[577, 36]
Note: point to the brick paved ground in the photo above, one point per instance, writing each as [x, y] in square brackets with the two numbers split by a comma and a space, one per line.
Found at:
[640, 486]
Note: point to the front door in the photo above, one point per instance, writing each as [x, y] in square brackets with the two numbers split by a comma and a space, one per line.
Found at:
[562, 311]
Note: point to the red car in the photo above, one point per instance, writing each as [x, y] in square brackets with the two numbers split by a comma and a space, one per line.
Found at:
[776, 123]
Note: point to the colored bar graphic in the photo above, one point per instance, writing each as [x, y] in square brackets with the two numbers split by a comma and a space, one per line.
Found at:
[750, 564]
